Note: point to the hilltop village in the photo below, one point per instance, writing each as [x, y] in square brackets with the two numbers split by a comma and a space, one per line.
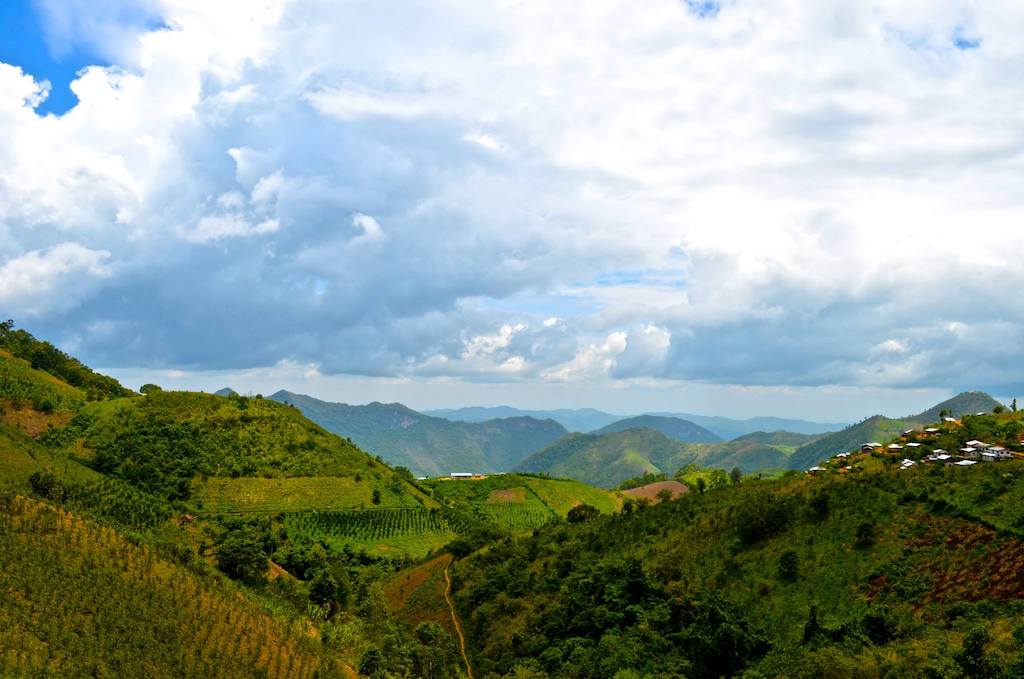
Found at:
[972, 439]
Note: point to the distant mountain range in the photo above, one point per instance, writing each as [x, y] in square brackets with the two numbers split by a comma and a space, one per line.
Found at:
[608, 459]
[590, 420]
[581, 420]
[429, 445]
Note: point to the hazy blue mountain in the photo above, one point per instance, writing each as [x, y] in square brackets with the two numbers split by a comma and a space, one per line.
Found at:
[226, 391]
[429, 445]
[729, 428]
[581, 419]
[672, 427]
[588, 420]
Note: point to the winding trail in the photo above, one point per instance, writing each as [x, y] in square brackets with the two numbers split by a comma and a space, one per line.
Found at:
[455, 618]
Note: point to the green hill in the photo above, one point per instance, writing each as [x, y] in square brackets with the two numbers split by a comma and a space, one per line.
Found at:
[519, 502]
[607, 460]
[672, 427]
[430, 446]
[880, 428]
[45, 357]
[233, 454]
[894, 573]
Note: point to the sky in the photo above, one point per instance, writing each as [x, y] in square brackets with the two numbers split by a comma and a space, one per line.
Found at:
[808, 209]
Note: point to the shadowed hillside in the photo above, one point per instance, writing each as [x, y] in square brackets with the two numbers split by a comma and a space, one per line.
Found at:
[430, 445]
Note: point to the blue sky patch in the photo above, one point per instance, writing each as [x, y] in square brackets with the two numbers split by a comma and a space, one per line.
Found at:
[962, 41]
[705, 9]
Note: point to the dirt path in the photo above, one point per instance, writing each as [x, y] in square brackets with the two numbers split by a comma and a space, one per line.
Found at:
[455, 618]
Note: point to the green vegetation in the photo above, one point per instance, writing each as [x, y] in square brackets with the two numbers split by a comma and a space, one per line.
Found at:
[882, 574]
[45, 357]
[430, 445]
[23, 387]
[672, 427]
[409, 531]
[81, 600]
[517, 502]
[164, 441]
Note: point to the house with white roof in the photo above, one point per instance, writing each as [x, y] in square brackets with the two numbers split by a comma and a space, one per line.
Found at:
[970, 453]
[932, 430]
[966, 463]
[814, 471]
[895, 446]
[914, 445]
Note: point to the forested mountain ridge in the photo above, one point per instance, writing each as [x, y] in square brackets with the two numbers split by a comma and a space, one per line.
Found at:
[430, 445]
[672, 427]
[608, 459]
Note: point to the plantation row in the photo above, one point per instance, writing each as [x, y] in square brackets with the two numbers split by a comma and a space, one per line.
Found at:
[51, 624]
[519, 516]
[376, 524]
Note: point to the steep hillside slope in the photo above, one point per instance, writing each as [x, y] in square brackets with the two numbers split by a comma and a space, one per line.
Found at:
[607, 460]
[429, 445]
[880, 428]
[81, 600]
[45, 357]
[672, 427]
[966, 403]
[878, 575]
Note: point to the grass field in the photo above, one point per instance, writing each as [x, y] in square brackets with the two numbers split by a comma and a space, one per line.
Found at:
[416, 594]
[249, 494]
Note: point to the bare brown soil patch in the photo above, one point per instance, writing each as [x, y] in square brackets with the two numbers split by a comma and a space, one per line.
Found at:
[651, 490]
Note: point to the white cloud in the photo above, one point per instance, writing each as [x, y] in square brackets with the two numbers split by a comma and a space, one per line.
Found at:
[47, 281]
[782, 193]
[372, 230]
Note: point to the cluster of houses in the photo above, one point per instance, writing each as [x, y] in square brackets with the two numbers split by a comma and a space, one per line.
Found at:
[972, 452]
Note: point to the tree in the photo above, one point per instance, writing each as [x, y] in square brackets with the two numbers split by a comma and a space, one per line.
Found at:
[149, 389]
[664, 495]
[865, 535]
[736, 475]
[376, 496]
[323, 589]
[999, 409]
[1013, 405]
[372, 662]
[789, 566]
[241, 555]
[701, 484]
[582, 514]
[46, 485]
[972, 658]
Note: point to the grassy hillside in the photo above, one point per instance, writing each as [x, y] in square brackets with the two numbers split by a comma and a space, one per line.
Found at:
[81, 600]
[607, 460]
[672, 427]
[882, 574]
[47, 358]
[516, 503]
[967, 403]
[168, 442]
[430, 445]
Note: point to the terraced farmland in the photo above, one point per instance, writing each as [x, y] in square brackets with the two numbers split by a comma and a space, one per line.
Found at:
[407, 530]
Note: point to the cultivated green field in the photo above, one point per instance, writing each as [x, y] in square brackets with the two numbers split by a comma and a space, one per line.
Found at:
[254, 494]
[410, 531]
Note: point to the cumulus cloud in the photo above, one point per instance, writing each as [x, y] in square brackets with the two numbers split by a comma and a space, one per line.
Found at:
[740, 193]
[39, 282]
